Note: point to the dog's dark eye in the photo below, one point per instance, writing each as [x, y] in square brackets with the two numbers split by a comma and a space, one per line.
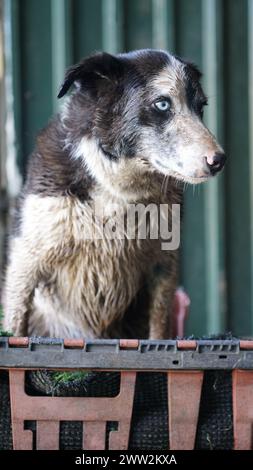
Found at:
[162, 105]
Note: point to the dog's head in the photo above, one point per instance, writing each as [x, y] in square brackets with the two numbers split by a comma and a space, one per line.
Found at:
[143, 111]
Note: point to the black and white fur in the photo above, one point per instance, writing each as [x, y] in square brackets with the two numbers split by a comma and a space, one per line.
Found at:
[132, 121]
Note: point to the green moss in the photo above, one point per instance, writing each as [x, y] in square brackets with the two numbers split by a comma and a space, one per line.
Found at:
[61, 377]
[5, 333]
[2, 332]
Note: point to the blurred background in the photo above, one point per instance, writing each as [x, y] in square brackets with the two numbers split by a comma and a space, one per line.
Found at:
[39, 39]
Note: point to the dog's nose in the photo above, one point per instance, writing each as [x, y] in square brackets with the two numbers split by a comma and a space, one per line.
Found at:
[216, 162]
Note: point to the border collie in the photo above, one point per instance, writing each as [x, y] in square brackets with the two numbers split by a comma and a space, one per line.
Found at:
[131, 132]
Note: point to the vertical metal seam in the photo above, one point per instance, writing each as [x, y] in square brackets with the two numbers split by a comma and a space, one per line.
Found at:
[112, 22]
[160, 22]
[3, 148]
[212, 192]
[13, 105]
[61, 20]
[250, 98]
[163, 24]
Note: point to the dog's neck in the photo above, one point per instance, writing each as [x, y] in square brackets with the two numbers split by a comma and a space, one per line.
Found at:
[119, 179]
[64, 163]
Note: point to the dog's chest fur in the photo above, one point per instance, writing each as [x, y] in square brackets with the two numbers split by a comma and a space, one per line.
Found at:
[94, 279]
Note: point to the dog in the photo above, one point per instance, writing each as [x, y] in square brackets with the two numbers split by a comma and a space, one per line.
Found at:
[130, 132]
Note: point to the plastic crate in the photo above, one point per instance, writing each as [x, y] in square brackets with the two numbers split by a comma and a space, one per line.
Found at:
[184, 362]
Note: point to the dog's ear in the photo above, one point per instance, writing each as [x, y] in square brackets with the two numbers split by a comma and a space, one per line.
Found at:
[88, 72]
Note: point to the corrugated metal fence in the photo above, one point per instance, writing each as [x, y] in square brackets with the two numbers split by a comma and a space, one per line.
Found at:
[43, 37]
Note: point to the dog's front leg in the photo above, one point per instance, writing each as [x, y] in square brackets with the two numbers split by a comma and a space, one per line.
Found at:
[21, 279]
[162, 295]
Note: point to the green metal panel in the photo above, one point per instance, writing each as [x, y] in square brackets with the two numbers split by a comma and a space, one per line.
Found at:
[250, 88]
[36, 68]
[238, 208]
[87, 27]
[138, 24]
[42, 38]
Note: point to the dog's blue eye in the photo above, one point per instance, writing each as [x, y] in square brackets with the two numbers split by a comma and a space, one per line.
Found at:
[162, 105]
